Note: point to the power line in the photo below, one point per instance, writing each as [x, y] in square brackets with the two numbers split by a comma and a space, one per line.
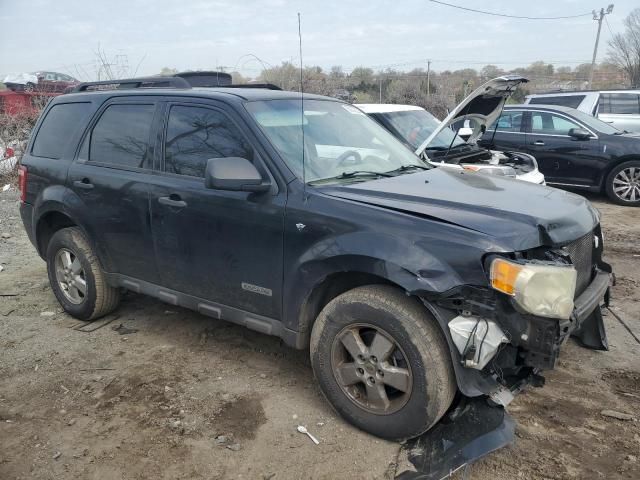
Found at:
[484, 12]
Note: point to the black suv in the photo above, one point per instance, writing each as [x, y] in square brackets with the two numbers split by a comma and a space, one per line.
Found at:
[306, 220]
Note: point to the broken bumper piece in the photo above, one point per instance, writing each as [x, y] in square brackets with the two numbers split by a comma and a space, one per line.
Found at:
[470, 431]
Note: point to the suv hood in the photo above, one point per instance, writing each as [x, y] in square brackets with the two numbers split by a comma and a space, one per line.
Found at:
[518, 214]
[483, 105]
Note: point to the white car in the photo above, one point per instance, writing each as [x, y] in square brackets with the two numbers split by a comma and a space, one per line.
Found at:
[620, 108]
[437, 143]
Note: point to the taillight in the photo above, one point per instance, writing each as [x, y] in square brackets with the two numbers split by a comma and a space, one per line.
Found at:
[9, 152]
[22, 182]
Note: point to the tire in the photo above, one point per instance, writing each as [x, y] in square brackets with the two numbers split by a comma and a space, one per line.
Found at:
[29, 87]
[98, 298]
[623, 184]
[417, 338]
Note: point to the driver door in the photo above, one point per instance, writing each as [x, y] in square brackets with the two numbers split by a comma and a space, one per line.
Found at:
[221, 246]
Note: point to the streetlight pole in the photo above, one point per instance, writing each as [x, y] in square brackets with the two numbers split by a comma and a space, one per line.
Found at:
[598, 17]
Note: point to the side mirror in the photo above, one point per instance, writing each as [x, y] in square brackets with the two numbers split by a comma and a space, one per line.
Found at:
[234, 173]
[579, 134]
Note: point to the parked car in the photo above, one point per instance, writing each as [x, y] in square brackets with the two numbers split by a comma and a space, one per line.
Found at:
[440, 145]
[407, 283]
[43, 82]
[573, 149]
[620, 108]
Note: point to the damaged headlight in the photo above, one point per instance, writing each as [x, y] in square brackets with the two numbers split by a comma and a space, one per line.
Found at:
[544, 290]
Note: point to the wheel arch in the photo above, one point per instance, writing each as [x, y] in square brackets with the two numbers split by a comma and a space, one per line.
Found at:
[607, 171]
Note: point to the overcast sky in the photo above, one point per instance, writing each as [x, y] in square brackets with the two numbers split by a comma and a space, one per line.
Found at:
[63, 35]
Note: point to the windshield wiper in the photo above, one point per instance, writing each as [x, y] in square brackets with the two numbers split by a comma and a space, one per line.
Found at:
[406, 168]
[355, 173]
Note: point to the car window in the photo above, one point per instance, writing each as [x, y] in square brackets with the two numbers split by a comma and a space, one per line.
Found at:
[57, 129]
[121, 136]
[571, 101]
[620, 103]
[50, 76]
[509, 122]
[549, 124]
[196, 134]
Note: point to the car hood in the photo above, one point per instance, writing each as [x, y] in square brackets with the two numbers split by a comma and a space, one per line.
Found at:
[517, 214]
[483, 105]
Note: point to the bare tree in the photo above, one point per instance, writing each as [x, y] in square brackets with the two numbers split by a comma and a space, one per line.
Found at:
[624, 48]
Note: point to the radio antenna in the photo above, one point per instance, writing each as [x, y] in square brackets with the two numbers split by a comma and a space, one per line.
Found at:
[304, 176]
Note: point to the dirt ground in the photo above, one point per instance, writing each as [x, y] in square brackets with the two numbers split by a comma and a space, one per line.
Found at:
[159, 392]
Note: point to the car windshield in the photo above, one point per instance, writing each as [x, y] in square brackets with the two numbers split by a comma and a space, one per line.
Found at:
[340, 141]
[594, 123]
[415, 126]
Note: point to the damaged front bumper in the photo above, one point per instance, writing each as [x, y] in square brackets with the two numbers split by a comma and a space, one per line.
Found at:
[497, 350]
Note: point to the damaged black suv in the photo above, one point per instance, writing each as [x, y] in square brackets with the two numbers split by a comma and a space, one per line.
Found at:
[305, 219]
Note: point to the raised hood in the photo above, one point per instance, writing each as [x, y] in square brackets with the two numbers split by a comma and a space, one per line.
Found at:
[483, 105]
[518, 215]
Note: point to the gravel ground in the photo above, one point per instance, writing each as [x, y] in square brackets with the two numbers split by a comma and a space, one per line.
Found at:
[161, 392]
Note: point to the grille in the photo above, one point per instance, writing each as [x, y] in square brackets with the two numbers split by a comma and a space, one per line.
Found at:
[581, 253]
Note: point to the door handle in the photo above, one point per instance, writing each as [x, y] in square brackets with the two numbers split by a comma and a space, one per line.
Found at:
[540, 143]
[84, 184]
[172, 201]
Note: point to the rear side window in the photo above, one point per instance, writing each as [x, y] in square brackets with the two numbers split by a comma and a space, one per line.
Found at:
[58, 127]
[121, 136]
[509, 122]
[621, 103]
[195, 134]
[571, 101]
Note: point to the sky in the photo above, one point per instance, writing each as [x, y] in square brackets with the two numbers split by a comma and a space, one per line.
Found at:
[244, 35]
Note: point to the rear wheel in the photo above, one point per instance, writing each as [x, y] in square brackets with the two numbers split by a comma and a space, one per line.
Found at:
[623, 184]
[382, 362]
[76, 278]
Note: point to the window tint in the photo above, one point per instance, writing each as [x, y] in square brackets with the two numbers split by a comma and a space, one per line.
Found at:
[195, 134]
[622, 103]
[58, 128]
[121, 136]
[509, 122]
[550, 124]
[571, 101]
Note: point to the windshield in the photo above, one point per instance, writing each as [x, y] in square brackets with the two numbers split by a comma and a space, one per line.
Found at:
[594, 123]
[338, 139]
[415, 126]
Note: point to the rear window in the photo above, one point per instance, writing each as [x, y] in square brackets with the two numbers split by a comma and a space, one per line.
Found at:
[121, 136]
[620, 103]
[61, 122]
[571, 101]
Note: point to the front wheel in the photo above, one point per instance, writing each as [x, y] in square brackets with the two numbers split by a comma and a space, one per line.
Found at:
[76, 278]
[623, 184]
[382, 362]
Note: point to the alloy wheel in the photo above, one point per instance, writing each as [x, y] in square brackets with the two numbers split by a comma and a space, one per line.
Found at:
[626, 184]
[371, 369]
[70, 276]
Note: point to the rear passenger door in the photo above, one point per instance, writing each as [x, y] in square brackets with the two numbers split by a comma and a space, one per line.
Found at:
[509, 132]
[221, 246]
[111, 179]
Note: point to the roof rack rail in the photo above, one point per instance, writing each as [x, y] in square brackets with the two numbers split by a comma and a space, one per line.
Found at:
[119, 84]
[268, 86]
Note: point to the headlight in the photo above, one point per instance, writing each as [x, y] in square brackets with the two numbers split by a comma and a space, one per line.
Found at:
[544, 290]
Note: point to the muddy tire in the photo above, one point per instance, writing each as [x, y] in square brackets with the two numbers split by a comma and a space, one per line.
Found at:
[623, 184]
[76, 278]
[382, 362]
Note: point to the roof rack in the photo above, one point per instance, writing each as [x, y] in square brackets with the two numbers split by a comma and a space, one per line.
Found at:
[147, 82]
[156, 82]
[268, 86]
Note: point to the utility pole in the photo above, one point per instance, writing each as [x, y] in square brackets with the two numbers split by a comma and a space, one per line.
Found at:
[598, 17]
[380, 84]
[428, 78]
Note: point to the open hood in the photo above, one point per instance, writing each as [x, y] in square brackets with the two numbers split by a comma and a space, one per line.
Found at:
[484, 105]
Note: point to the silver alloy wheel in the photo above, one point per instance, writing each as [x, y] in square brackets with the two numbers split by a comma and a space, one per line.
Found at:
[626, 184]
[70, 276]
[371, 369]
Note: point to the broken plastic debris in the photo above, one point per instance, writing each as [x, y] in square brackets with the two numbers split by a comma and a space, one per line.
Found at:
[6, 187]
